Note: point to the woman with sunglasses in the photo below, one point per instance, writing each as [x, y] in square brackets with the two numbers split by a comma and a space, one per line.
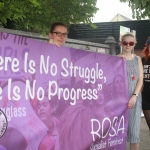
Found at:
[146, 81]
[58, 33]
[135, 81]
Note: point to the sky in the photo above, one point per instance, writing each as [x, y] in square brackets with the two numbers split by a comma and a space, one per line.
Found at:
[109, 8]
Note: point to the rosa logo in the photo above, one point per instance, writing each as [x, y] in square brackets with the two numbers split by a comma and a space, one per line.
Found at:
[3, 123]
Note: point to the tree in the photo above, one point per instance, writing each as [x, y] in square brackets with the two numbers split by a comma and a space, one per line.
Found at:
[140, 8]
[37, 15]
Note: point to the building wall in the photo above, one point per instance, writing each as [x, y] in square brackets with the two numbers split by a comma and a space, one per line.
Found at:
[105, 29]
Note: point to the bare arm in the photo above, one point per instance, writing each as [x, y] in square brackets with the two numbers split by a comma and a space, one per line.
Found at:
[138, 87]
[140, 78]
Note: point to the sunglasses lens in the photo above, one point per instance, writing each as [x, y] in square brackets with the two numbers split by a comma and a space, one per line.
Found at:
[131, 43]
[125, 43]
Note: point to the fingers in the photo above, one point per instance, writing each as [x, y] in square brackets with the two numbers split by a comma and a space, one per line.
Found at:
[50, 41]
[131, 104]
[53, 42]
[122, 57]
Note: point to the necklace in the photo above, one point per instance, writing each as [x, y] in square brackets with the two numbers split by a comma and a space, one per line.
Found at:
[131, 68]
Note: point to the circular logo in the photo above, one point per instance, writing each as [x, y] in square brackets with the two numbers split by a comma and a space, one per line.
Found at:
[3, 123]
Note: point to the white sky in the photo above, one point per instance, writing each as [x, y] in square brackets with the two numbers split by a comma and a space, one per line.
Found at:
[109, 8]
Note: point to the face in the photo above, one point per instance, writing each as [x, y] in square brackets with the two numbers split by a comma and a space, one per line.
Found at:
[128, 44]
[60, 38]
[119, 85]
[44, 110]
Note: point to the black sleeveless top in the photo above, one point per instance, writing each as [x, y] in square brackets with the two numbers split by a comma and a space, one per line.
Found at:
[146, 82]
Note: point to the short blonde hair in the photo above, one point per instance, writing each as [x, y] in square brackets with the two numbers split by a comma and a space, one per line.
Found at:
[128, 34]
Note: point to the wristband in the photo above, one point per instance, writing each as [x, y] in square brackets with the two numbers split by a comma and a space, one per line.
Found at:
[135, 94]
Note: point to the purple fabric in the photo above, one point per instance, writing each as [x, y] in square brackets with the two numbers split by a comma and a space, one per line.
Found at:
[59, 98]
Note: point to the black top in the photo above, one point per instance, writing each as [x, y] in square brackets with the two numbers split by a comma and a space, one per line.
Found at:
[146, 79]
[146, 67]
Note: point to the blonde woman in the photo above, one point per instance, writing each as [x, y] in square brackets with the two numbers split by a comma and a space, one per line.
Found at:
[135, 81]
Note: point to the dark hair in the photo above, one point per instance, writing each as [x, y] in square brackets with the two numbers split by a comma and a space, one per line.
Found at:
[53, 101]
[114, 92]
[55, 24]
[35, 102]
[146, 50]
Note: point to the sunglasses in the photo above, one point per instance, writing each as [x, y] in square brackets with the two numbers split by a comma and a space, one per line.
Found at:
[127, 43]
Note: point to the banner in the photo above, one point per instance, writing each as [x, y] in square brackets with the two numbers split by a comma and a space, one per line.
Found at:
[59, 98]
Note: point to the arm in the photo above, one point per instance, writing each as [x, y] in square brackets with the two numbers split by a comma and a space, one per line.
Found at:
[140, 79]
[138, 87]
[143, 72]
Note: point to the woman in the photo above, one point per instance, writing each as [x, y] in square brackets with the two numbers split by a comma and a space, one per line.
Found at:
[45, 112]
[135, 81]
[118, 87]
[145, 92]
[58, 33]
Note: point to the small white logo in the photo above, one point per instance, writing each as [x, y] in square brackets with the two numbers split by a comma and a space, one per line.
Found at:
[3, 123]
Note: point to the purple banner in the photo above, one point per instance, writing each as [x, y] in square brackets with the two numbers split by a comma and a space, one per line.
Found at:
[59, 98]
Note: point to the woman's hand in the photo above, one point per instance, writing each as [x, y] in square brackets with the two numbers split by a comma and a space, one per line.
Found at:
[122, 56]
[53, 42]
[132, 101]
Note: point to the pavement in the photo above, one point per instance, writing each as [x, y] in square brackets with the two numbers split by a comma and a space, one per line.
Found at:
[144, 136]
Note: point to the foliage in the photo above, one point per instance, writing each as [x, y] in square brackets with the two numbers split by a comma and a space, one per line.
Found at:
[140, 8]
[37, 15]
